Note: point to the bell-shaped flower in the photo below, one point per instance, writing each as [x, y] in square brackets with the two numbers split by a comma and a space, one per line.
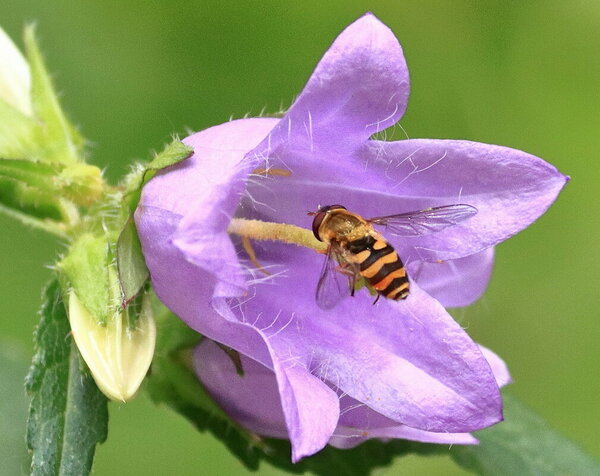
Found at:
[406, 362]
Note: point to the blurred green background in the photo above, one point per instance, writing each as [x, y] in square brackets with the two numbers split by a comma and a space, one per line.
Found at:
[521, 74]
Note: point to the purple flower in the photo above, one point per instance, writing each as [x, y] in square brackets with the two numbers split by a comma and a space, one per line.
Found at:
[398, 369]
[253, 401]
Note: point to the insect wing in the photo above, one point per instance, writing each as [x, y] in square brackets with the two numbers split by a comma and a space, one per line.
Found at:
[424, 222]
[333, 285]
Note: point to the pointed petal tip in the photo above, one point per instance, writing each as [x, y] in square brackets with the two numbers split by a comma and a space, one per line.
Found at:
[496, 415]
[299, 453]
[368, 15]
[369, 19]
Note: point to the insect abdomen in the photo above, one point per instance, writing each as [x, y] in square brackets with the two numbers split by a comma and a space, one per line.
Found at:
[381, 266]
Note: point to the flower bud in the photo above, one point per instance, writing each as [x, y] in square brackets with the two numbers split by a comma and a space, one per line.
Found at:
[15, 78]
[117, 353]
[81, 183]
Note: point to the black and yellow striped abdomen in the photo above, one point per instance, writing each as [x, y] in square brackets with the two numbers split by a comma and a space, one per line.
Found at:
[380, 265]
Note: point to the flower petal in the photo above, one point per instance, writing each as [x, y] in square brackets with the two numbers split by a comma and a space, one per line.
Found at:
[509, 188]
[311, 409]
[455, 283]
[253, 401]
[407, 360]
[354, 414]
[498, 366]
[359, 87]
[176, 282]
[188, 290]
[203, 192]
[217, 163]
[346, 438]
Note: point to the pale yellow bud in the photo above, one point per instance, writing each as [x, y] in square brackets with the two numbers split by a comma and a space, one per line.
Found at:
[15, 77]
[118, 356]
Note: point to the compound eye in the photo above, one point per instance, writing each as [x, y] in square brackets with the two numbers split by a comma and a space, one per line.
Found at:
[317, 223]
[331, 207]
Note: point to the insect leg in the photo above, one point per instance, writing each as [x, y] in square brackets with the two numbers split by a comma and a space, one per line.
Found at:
[272, 171]
[247, 245]
[350, 272]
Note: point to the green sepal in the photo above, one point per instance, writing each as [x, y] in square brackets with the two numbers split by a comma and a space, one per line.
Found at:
[173, 153]
[34, 173]
[62, 143]
[68, 415]
[234, 356]
[81, 183]
[86, 272]
[33, 201]
[133, 272]
[19, 134]
[48, 190]
[44, 152]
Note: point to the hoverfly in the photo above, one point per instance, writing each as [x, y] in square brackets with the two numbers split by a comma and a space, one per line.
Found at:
[356, 250]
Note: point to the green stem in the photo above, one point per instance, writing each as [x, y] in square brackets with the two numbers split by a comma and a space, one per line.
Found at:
[56, 229]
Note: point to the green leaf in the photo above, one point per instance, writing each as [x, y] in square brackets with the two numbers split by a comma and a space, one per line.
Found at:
[133, 272]
[86, 267]
[68, 415]
[62, 142]
[524, 444]
[173, 382]
[369, 456]
[362, 460]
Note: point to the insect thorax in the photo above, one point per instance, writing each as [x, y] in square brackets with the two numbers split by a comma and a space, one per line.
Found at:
[344, 226]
